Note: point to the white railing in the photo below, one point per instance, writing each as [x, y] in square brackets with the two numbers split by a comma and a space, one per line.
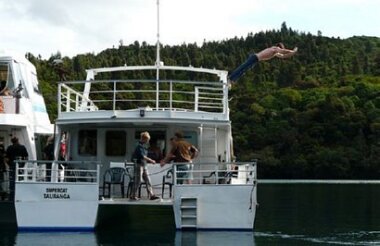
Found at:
[57, 171]
[133, 94]
[243, 173]
[70, 100]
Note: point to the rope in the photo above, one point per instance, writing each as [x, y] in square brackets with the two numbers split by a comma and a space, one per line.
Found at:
[163, 170]
[250, 198]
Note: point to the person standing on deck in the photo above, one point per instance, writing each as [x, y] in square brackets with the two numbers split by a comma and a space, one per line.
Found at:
[275, 51]
[48, 152]
[140, 158]
[14, 152]
[181, 151]
[3, 170]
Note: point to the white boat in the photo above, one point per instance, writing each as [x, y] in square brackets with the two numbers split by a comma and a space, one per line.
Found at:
[22, 108]
[101, 130]
[100, 121]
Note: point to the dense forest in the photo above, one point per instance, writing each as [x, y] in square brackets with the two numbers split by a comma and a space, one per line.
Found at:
[316, 115]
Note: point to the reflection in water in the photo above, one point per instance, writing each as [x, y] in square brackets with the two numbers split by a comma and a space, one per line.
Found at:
[205, 238]
[55, 238]
[131, 236]
[348, 238]
[8, 236]
[176, 238]
[315, 214]
[289, 214]
[125, 237]
[186, 238]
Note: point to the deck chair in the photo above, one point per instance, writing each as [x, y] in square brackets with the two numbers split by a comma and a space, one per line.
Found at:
[168, 176]
[131, 182]
[114, 176]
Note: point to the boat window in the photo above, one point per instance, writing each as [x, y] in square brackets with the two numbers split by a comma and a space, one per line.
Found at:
[35, 83]
[156, 147]
[116, 143]
[87, 142]
[191, 137]
[21, 78]
[6, 78]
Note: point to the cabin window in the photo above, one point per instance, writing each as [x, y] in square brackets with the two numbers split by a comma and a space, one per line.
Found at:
[87, 142]
[6, 79]
[35, 83]
[156, 147]
[191, 137]
[116, 143]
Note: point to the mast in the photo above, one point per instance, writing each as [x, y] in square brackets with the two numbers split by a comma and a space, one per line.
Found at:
[158, 55]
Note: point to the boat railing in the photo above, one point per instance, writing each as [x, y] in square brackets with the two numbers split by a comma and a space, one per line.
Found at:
[71, 100]
[57, 171]
[162, 95]
[233, 173]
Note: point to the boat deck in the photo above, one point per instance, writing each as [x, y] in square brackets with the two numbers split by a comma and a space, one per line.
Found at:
[127, 201]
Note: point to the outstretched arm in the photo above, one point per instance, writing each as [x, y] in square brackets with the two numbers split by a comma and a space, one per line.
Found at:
[275, 51]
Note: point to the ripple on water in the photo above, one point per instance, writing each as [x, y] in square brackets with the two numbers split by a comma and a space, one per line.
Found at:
[344, 238]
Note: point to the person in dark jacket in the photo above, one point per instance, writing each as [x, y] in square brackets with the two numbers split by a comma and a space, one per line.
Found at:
[14, 152]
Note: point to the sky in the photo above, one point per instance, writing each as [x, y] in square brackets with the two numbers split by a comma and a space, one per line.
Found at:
[44, 27]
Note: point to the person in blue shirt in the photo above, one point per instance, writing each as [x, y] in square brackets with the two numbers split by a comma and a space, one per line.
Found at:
[275, 51]
[140, 158]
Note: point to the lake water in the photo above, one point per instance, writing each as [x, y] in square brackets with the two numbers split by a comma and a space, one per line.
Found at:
[298, 213]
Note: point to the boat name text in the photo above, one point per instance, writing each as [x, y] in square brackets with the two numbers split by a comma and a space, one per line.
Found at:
[56, 193]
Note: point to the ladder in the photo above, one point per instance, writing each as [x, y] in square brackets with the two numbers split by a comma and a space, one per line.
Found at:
[188, 212]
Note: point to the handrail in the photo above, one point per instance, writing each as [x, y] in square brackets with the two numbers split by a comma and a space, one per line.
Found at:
[57, 171]
[196, 96]
[231, 173]
[66, 100]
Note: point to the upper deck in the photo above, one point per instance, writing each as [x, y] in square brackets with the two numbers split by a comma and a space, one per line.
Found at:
[21, 102]
[136, 100]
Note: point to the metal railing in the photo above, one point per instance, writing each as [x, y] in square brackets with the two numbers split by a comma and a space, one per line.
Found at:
[132, 94]
[243, 173]
[57, 171]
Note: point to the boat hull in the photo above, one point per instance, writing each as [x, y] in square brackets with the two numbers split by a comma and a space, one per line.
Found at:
[215, 207]
[56, 206]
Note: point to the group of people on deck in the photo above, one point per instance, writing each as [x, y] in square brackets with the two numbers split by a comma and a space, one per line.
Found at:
[180, 152]
[17, 151]
[7, 157]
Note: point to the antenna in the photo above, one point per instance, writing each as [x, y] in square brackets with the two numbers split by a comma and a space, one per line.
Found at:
[158, 35]
[158, 56]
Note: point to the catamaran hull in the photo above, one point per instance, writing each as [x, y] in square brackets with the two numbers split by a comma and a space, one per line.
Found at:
[56, 206]
[215, 207]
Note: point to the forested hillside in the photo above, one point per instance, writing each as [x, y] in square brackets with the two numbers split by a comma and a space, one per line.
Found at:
[316, 115]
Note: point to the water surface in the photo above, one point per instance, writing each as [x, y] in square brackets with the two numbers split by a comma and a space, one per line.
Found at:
[289, 213]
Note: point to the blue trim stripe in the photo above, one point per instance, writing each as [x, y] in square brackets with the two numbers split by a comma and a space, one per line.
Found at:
[39, 108]
[56, 229]
[213, 229]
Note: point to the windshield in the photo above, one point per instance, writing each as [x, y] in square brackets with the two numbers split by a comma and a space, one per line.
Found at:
[6, 78]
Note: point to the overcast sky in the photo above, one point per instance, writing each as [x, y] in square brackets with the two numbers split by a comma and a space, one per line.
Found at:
[81, 26]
